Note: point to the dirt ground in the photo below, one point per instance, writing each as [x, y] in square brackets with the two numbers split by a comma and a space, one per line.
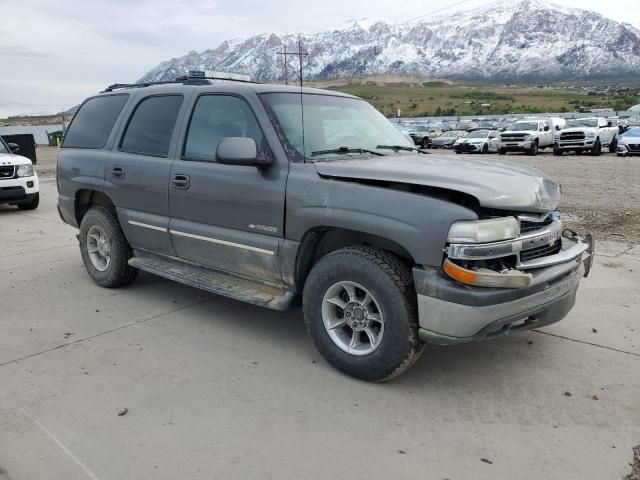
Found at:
[600, 195]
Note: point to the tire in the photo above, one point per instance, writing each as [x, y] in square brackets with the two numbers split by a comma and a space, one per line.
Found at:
[390, 284]
[597, 149]
[502, 151]
[425, 143]
[557, 152]
[485, 149]
[534, 149]
[116, 272]
[613, 145]
[31, 204]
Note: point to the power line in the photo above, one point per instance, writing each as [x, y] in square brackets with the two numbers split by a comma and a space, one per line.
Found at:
[300, 54]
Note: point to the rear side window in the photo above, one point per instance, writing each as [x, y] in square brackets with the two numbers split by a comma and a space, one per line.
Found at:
[151, 125]
[94, 121]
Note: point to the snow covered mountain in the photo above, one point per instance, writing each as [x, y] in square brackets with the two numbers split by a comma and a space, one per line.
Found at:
[508, 40]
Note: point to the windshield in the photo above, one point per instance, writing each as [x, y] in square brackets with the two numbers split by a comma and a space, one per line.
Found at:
[3, 147]
[582, 122]
[522, 127]
[632, 132]
[329, 123]
[478, 134]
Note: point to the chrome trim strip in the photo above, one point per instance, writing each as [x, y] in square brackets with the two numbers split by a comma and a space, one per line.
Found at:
[565, 255]
[485, 251]
[222, 242]
[146, 225]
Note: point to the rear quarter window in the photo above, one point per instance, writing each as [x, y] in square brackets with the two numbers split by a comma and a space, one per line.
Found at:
[94, 121]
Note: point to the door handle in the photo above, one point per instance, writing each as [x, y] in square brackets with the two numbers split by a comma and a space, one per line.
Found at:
[180, 181]
[117, 172]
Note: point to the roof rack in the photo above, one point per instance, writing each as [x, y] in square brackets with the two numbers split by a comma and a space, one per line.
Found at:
[185, 80]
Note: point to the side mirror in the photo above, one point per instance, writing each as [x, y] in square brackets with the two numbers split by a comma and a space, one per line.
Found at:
[609, 124]
[558, 127]
[241, 151]
[546, 128]
[14, 147]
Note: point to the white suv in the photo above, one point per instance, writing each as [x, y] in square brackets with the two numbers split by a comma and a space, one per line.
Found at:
[18, 182]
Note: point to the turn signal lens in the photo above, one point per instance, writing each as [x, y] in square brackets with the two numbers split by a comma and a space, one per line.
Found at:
[487, 278]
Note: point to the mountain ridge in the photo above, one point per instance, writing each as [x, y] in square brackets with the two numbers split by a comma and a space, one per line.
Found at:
[504, 41]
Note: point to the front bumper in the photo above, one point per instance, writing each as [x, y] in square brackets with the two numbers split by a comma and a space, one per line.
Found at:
[451, 313]
[19, 189]
[468, 147]
[515, 146]
[585, 144]
[626, 150]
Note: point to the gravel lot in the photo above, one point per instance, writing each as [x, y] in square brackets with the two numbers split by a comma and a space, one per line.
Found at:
[215, 388]
[601, 195]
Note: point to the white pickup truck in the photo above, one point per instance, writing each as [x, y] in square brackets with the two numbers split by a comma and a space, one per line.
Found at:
[586, 134]
[526, 136]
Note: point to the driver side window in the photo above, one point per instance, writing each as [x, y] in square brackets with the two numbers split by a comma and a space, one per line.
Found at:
[214, 118]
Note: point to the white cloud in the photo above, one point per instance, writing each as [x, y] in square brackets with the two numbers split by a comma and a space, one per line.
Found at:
[57, 53]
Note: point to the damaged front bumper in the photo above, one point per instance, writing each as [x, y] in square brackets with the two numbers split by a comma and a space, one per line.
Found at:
[451, 312]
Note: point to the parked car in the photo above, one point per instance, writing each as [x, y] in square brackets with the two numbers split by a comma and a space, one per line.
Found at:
[526, 136]
[586, 135]
[404, 131]
[19, 183]
[447, 139]
[221, 186]
[421, 135]
[629, 142]
[478, 141]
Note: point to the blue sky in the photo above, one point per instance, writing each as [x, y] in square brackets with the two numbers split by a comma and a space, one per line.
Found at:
[56, 53]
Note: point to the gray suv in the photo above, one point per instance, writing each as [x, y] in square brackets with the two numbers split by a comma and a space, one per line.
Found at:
[269, 194]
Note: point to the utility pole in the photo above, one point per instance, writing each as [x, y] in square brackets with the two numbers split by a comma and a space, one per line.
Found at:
[300, 54]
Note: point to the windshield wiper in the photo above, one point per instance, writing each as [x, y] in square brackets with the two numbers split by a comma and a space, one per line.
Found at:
[346, 150]
[397, 148]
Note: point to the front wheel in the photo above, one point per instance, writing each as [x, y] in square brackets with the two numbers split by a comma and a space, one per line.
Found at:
[30, 204]
[613, 145]
[534, 149]
[557, 152]
[105, 252]
[485, 149]
[360, 310]
[597, 149]
[502, 151]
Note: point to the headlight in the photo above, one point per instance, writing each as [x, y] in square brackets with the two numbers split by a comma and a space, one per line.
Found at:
[483, 231]
[591, 134]
[530, 138]
[25, 170]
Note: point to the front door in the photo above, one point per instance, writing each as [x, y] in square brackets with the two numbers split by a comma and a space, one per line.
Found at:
[137, 173]
[227, 217]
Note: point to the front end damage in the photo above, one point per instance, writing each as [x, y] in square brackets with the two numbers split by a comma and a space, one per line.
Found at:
[507, 274]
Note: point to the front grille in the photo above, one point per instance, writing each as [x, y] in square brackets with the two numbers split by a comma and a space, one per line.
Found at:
[527, 226]
[572, 136]
[634, 147]
[6, 171]
[513, 137]
[542, 251]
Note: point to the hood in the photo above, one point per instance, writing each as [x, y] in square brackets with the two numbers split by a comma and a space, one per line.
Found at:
[495, 184]
[629, 139]
[444, 139]
[11, 159]
[578, 129]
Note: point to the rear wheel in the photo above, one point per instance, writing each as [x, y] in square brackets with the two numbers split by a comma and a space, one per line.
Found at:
[425, 143]
[105, 252]
[30, 204]
[613, 146]
[360, 310]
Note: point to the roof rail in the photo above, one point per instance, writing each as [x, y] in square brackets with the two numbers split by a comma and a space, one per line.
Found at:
[185, 80]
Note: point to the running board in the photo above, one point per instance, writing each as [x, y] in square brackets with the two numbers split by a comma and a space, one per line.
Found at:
[215, 282]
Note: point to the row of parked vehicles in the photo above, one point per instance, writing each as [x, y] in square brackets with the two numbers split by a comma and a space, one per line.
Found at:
[581, 135]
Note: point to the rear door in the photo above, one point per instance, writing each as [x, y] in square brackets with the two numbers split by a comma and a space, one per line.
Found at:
[227, 217]
[137, 171]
